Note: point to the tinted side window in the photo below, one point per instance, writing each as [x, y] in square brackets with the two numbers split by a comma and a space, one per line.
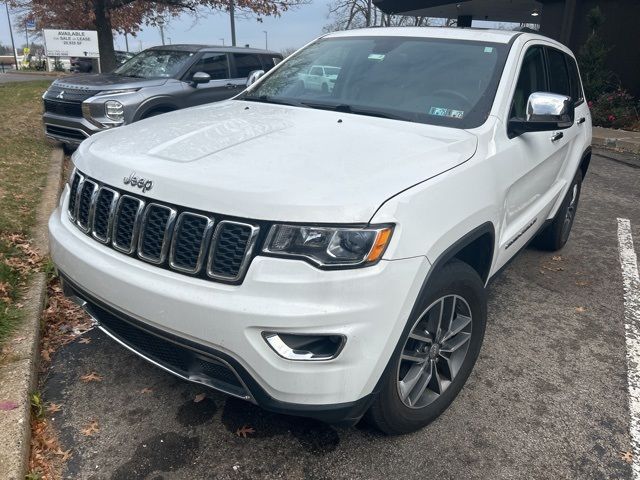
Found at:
[215, 64]
[576, 85]
[558, 73]
[246, 63]
[531, 79]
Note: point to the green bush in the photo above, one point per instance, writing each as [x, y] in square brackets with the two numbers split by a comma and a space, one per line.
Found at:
[615, 109]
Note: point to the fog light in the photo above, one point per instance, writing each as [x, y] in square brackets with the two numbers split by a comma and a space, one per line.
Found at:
[305, 347]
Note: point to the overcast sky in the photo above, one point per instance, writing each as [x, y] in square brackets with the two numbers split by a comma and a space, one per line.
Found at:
[292, 29]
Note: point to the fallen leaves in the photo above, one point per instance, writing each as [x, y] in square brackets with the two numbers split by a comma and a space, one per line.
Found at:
[244, 431]
[85, 340]
[91, 428]
[53, 408]
[627, 456]
[47, 455]
[63, 322]
[8, 405]
[146, 390]
[580, 309]
[199, 397]
[91, 377]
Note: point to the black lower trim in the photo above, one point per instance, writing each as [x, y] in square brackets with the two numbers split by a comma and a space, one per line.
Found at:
[341, 413]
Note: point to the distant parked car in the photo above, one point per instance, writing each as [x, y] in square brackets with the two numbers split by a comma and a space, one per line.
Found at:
[85, 65]
[320, 77]
[155, 81]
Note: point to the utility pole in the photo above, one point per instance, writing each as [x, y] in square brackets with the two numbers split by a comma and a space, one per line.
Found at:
[13, 45]
[126, 41]
[222, 41]
[266, 40]
[232, 16]
[161, 25]
[26, 32]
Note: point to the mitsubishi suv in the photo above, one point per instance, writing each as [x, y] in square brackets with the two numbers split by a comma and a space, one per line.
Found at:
[157, 80]
[326, 252]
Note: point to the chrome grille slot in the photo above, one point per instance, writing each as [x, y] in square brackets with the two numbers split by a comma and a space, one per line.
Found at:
[126, 224]
[168, 236]
[73, 194]
[104, 208]
[230, 249]
[85, 199]
[155, 232]
[188, 248]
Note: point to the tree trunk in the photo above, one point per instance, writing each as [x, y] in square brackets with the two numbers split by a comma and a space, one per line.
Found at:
[105, 36]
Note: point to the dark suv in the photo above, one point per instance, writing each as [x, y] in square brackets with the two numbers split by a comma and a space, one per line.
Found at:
[155, 81]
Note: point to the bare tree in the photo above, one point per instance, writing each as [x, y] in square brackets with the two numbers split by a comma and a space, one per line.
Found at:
[349, 14]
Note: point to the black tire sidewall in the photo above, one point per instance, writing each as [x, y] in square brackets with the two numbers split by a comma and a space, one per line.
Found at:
[392, 416]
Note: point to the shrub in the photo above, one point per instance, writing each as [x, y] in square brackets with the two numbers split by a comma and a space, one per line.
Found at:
[615, 109]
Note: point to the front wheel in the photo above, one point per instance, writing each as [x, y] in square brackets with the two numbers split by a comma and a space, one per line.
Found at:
[439, 350]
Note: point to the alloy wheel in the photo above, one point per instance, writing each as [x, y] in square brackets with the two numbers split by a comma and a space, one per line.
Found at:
[434, 351]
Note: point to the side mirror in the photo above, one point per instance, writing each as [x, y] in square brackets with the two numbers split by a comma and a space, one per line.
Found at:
[200, 77]
[254, 77]
[545, 112]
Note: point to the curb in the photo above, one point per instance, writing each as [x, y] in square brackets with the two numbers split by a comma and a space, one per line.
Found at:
[620, 144]
[18, 376]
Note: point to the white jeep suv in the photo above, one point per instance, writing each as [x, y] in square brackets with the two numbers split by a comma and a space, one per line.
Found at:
[325, 253]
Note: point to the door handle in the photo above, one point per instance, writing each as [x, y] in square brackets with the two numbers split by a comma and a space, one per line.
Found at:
[581, 120]
[231, 85]
[557, 136]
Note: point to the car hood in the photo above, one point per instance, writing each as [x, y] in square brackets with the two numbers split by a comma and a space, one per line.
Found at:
[273, 162]
[107, 81]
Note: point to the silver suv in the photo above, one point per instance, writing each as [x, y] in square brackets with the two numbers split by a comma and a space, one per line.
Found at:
[157, 80]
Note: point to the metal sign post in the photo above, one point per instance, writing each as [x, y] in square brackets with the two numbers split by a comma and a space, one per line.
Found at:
[13, 45]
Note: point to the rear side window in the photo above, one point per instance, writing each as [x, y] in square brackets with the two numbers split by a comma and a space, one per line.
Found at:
[215, 64]
[246, 63]
[531, 79]
[558, 73]
[576, 85]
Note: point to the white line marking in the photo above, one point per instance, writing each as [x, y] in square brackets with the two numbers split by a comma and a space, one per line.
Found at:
[631, 282]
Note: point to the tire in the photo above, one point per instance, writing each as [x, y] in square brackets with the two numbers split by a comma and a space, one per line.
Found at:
[68, 148]
[399, 408]
[555, 236]
[155, 113]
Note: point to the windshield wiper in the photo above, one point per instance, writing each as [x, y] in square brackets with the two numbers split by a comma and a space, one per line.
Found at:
[345, 108]
[268, 99]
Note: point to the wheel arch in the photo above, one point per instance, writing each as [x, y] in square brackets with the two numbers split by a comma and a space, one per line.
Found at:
[475, 248]
[164, 104]
[585, 161]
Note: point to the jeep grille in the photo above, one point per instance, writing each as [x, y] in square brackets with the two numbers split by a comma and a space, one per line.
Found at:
[188, 242]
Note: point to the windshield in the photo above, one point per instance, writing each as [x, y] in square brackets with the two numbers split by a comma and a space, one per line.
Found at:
[427, 80]
[154, 64]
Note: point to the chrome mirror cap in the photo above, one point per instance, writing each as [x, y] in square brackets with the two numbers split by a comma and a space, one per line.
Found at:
[254, 76]
[549, 107]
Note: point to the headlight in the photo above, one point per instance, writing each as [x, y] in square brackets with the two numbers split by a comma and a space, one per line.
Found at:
[329, 246]
[114, 110]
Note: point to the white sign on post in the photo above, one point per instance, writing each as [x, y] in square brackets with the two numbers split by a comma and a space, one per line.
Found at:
[71, 43]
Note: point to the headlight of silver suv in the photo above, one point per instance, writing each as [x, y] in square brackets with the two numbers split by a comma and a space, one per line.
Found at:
[114, 110]
[330, 247]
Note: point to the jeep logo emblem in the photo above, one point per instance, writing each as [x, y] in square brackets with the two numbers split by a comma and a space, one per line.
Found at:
[142, 183]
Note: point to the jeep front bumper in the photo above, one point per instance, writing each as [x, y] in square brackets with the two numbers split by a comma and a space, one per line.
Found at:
[224, 323]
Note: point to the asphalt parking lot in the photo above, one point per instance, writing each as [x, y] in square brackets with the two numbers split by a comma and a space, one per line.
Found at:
[547, 399]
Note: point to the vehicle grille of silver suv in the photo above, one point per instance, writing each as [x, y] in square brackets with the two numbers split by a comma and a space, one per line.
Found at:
[188, 242]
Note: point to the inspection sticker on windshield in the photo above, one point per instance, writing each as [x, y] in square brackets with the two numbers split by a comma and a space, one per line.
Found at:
[446, 112]
[376, 56]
